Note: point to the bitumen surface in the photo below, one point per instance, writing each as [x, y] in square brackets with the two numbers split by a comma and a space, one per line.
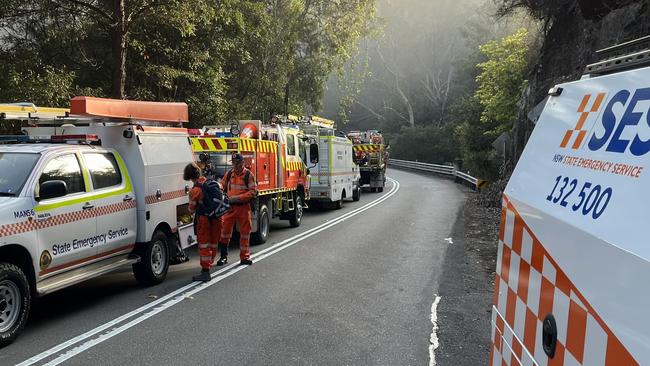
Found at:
[353, 286]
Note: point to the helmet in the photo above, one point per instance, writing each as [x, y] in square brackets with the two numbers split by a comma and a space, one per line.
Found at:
[237, 157]
[204, 158]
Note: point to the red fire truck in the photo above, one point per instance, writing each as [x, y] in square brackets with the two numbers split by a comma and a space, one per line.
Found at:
[274, 152]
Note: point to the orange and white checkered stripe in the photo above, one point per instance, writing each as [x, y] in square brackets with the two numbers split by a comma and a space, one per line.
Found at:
[62, 219]
[530, 285]
[584, 112]
[165, 196]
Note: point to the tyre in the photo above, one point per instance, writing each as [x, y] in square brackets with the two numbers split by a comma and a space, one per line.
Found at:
[263, 226]
[356, 194]
[380, 189]
[296, 215]
[15, 302]
[373, 190]
[154, 261]
[338, 204]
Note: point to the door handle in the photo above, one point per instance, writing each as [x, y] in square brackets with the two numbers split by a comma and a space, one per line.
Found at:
[127, 198]
[88, 206]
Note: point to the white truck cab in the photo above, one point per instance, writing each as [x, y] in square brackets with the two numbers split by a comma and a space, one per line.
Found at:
[86, 195]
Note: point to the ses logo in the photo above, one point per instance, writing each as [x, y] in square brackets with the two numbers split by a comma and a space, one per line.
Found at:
[609, 131]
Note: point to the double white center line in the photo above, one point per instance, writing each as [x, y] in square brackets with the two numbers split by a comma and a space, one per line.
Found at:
[68, 349]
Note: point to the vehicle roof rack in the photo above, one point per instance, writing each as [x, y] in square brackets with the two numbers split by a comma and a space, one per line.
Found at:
[29, 111]
[88, 110]
[625, 56]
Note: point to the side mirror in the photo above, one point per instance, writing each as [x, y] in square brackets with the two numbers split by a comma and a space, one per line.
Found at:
[53, 189]
[313, 153]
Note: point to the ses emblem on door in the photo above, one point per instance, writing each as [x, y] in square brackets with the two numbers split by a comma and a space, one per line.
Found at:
[46, 259]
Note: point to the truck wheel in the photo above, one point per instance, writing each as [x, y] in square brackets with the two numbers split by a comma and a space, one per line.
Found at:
[380, 189]
[263, 225]
[154, 261]
[356, 194]
[338, 204]
[15, 302]
[373, 189]
[296, 215]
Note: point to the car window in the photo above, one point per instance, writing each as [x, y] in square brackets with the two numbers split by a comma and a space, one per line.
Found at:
[103, 169]
[291, 145]
[67, 169]
[15, 168]
[303, 151]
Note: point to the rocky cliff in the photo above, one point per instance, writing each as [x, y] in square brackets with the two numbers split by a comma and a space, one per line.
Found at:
[574, 31]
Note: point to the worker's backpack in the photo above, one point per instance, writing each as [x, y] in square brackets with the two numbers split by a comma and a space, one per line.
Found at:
[215, 201]
[255, 202]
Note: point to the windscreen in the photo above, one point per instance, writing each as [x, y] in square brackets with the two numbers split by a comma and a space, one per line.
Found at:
[14, 171]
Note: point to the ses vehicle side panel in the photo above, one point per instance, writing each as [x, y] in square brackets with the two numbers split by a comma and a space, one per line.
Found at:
[574, 229]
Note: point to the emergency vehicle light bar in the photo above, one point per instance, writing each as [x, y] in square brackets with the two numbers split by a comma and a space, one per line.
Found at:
[13, 138]
[322, 122]
[78, 138]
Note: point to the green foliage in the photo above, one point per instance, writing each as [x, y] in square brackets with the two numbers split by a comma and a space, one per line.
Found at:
[478, 156]
[502, 80]
[32, 81]
[430, 144]
[228, 59]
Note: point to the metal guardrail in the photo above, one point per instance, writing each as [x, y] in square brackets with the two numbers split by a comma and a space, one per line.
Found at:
[434, 168]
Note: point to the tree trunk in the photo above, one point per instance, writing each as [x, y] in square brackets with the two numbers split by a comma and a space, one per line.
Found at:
[286, 100]
[119, 36]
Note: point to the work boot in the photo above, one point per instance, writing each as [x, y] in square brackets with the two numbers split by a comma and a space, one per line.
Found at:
[203, 277]
[222, 261]
[247, 262]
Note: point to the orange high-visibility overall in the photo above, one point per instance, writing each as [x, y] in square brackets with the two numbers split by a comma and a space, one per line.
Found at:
[208, 231]
[239, 212]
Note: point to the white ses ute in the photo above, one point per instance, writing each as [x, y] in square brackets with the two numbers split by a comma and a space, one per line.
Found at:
[89, 193]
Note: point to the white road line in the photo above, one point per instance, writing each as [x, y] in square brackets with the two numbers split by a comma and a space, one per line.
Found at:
[179, 295]
[433, 342]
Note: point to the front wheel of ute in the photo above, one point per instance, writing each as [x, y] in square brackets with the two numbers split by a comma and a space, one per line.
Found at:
[15, 302]
[154, 261]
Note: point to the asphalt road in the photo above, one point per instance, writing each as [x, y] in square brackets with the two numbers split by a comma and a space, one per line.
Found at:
[353, 286]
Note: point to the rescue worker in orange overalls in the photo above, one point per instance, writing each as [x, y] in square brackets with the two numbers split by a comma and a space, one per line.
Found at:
[208, 230]
[241, 187]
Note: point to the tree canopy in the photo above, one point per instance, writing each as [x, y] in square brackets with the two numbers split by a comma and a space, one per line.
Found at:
[227, 58]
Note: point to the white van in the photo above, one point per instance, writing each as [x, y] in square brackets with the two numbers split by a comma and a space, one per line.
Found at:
[334, 175]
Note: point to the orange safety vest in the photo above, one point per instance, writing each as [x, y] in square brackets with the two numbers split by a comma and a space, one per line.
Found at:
[236, 185]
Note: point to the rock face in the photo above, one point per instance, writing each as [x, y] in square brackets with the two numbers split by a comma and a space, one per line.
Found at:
[575, 30]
